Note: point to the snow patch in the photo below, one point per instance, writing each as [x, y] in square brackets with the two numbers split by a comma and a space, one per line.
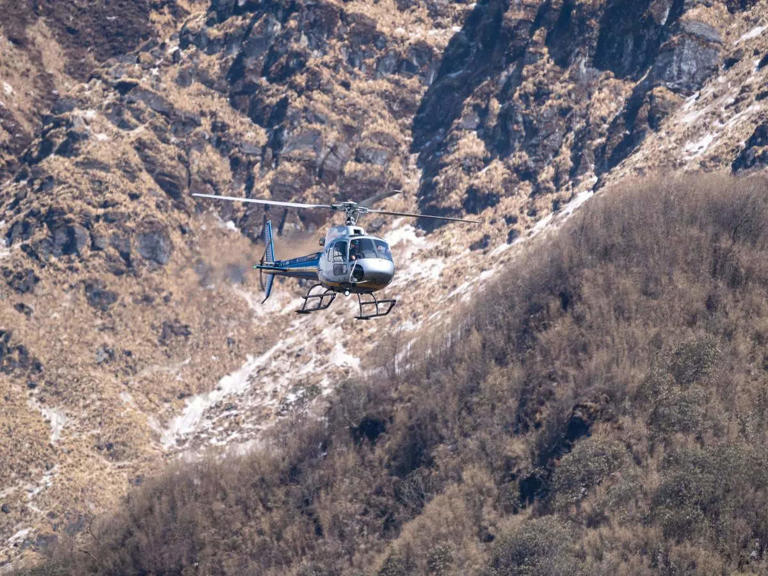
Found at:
[340, 357]
[689, 102]
[279, 303]
[696, 149]
[8, 89]
[577, 201]
[55, 417]
[58, 419]
[754, 33]
[232, 384]
[404, 233]
[18, 537]
[127, 399]
[694, 115]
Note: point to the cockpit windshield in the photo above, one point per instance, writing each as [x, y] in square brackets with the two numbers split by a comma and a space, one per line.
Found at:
[367, 248]
[361, 248]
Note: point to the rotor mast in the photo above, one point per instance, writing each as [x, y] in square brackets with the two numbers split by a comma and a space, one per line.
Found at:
[352, 211]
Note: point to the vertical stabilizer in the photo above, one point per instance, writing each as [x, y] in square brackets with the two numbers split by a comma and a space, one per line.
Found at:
[268, 258]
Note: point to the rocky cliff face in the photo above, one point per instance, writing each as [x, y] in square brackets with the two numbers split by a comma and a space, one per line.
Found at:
[555, 93]
[125, 300]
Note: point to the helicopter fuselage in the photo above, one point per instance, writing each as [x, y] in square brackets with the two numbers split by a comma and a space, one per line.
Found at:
[351, 262]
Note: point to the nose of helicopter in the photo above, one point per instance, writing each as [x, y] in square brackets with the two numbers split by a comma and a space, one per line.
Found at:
[375, 273]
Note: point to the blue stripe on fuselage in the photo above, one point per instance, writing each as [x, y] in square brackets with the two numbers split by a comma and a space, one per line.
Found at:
[303, 267]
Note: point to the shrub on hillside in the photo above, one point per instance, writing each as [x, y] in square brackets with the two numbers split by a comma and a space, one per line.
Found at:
[539, 547]
[584, 468]
[718, 494]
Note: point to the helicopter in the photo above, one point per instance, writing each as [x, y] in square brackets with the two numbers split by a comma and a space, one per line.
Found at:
[351, 262]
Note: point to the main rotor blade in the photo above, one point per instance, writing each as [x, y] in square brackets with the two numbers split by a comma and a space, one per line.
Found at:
[413, 215]
[371, 200]
[260, 201]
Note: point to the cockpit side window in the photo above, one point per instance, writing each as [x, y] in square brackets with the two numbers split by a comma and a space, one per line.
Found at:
[382, 250]
[339, 252]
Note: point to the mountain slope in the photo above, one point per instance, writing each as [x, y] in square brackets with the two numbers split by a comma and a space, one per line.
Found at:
[132, 331]
[598, 410]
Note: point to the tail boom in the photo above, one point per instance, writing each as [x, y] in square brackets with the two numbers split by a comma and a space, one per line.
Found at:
[303, 267]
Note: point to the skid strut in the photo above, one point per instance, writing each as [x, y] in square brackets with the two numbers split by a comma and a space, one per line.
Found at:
[317, 301]
[376, 307]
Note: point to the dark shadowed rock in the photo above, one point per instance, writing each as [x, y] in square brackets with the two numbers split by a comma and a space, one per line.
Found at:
[368, 154]
[755, 152]
[46, 542]
[631, 34]
[334, 162]
[154, 244]
[686, 62]
[319, 22]
[182, 125]
[69, 147]
[481, 244]
[419, 60]
[21, 230]
[125, 85]
[153, 100]
[477, 200]
[123, 246]
[16, 357]
[223, 9]
[23, 309]
[22, 281]
[99, 242]
[168, 173]
[174, 329]
[69, 239]
[98, 296]
[644, 111]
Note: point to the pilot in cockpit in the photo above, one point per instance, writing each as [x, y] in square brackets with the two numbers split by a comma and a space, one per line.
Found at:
[355, 250]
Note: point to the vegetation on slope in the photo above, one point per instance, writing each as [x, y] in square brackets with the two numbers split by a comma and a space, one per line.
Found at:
[600, 410]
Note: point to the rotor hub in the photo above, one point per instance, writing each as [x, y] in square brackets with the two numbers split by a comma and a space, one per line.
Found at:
[352, 211]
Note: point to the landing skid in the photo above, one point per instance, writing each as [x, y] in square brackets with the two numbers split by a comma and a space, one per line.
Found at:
[381, 307]
[317, 301]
